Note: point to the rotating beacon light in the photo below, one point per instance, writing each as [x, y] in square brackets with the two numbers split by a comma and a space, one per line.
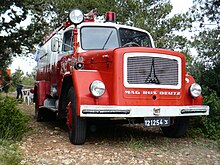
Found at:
[110, 17]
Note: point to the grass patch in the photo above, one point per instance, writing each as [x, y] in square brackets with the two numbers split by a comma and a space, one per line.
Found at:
[9, 153]
[136, 143]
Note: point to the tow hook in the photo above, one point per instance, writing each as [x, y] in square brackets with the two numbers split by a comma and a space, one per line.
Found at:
[156, 111]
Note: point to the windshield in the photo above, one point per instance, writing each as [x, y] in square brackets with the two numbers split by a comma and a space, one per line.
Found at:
[134, 38]
[99, 38]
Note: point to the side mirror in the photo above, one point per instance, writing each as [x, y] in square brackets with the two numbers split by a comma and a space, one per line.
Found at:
[55, 44]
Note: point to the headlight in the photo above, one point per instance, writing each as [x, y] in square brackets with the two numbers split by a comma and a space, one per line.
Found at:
[195, 90]
[76, 16]
[97, 88]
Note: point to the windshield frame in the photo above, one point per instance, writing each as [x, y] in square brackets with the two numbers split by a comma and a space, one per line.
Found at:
[117, 27]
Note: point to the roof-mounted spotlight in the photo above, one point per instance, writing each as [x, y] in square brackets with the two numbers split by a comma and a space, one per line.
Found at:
[76, 16]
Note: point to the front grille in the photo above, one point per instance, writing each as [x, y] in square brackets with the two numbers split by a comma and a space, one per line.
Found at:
[152, 70]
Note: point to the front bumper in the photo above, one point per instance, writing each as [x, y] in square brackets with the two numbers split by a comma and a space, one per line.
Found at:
[142, 111]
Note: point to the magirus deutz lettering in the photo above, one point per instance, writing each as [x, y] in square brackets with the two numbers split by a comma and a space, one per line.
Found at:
[151, 92]
[91, 71]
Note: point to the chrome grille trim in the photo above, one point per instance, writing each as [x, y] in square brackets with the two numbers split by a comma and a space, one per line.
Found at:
[137, 68]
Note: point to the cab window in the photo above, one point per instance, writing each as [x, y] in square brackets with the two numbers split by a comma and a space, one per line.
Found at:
[67, 41]
[42, 57]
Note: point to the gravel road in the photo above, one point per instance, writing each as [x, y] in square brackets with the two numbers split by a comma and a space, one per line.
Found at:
[48, 144]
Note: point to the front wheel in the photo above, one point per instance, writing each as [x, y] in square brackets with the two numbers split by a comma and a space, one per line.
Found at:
[177, 129]
[76, 124]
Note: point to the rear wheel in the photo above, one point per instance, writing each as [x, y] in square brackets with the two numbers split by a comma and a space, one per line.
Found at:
[177, 129]
[76, 124]
[38, 112]
[45, 115]
[39, 115]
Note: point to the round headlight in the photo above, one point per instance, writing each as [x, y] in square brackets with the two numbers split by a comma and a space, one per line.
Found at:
[76, 16]
[97, 88]
[195, 90]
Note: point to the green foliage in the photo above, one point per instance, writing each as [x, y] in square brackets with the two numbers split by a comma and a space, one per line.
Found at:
[13, 38]
[151, 15]
[29, 80]
[136, 144]
[211, 122]
[17, 77]
[206, 9]
[208, 126]
[206, 42]
[9, 153]
[13, 123]
[206, 68]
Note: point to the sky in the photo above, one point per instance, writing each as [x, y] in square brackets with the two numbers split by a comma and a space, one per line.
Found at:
[27, 63]
[181, 6]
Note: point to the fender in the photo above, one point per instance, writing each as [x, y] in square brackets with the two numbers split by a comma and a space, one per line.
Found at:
[189, 100]
[42, 89]
[81, 81]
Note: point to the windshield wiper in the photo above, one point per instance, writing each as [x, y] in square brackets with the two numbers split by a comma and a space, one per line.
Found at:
[107, 39]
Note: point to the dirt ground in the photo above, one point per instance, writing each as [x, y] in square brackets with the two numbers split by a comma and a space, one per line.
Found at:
[48, 143]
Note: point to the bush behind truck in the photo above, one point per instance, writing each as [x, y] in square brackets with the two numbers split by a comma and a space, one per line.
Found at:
[102, 71]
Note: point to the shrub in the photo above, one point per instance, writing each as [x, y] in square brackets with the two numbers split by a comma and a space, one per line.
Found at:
[211, 122]
[208, 126]
[13, 123]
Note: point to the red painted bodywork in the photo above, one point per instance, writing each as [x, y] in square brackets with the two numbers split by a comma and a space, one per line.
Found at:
[111, 72]
[107, 66]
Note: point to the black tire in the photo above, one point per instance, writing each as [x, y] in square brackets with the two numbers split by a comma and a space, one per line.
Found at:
[39, 115]
[77, 131]
[38, 112]
[45, 115]
[178, 128]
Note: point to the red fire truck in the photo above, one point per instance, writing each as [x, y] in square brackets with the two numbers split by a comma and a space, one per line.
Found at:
[89, 70]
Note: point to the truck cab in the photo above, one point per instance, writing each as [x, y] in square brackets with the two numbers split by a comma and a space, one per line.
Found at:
[89, 70]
